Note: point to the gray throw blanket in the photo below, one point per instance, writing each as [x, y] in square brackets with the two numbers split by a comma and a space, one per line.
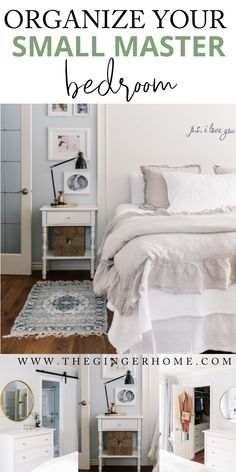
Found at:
[179, 254]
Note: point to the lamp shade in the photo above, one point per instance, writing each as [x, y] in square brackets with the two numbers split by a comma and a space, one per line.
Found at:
[80, 161]
[129, 379]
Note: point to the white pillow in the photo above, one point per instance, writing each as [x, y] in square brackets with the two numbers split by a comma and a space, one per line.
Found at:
[137, 188]
[194, 193]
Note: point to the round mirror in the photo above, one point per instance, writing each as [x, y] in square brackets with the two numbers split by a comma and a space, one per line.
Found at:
[228, 404]
[17, 401]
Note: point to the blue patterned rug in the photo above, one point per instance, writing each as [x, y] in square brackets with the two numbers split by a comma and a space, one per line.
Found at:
[61, 308]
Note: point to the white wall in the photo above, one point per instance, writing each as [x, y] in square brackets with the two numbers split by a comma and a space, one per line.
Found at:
[11, 370]
[133, 135]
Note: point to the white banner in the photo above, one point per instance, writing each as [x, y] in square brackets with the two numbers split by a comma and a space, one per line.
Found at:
[102, 52]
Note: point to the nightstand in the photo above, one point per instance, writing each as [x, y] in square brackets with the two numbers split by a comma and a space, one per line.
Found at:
[119, 423]
[83, 215]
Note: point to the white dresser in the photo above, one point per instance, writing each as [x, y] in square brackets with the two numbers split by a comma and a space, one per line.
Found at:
[23, 450]
[220, 450]
[119, 423]
[199, 435]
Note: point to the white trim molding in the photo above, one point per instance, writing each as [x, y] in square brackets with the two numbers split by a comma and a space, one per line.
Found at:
[101, 170]
[150, 406]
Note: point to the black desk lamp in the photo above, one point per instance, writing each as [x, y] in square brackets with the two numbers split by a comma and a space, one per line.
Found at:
[128, 381]
[80, 164]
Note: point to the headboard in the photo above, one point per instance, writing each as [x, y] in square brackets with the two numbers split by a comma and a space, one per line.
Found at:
[133, 135]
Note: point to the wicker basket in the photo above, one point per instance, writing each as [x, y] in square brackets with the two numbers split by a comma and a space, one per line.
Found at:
[69, 241]
[119, 443]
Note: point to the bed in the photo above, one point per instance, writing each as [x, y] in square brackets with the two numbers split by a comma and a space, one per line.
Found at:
[171, 463]
[151, 310]
[68, 463]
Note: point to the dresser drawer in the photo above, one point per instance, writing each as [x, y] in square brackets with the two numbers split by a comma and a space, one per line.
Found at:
[60, 218]
[199, 444]
[215, 454]
[220, 465]
[23, 457]
[220, 443]
[33, 441]
[120, 425]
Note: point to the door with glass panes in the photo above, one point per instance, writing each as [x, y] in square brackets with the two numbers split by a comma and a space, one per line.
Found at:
[16, 194]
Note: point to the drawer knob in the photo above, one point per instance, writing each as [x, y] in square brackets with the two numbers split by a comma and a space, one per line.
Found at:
[23, 457]
[23, 444]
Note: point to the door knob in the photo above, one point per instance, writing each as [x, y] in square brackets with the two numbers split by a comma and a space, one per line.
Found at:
[24, 191]
[83, 403]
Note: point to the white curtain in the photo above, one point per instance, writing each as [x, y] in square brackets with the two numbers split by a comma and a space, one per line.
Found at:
[153, 453]
[167, 412]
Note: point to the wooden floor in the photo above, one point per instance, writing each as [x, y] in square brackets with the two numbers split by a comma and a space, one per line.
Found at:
[199, 457]
[15, 290]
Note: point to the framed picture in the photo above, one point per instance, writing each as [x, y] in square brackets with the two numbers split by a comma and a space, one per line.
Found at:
[59, 109]
[114, 366]
[125, 395]
[77, 182]
[64, 143]
[81, 109]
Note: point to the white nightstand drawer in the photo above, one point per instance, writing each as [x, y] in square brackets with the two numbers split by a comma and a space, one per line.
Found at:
[119, 425]
[67, 217]
[33, 441]
[33, 454]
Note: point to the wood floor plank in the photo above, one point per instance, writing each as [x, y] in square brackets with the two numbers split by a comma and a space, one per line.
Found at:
[15, 290]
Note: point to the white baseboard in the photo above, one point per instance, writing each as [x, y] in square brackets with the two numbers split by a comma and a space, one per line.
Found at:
[63, 265]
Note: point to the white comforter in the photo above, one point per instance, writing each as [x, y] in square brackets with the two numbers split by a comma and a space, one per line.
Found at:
[66, 463]
[171, 463]
[178, 254]
[175, 323]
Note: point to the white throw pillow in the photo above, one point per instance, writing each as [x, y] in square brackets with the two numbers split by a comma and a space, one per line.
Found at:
[197, 193]
[137, 188]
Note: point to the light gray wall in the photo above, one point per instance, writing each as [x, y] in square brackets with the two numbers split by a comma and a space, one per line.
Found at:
[41, 180]
[98, 401]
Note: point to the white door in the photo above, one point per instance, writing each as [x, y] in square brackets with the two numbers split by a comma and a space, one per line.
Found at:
[84, 417]
[183, 443]
[16, 194]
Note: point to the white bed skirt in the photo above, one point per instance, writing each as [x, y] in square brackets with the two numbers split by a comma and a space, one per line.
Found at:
[178, 323]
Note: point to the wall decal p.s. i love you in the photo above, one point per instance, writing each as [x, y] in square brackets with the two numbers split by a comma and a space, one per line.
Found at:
[221, 132]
